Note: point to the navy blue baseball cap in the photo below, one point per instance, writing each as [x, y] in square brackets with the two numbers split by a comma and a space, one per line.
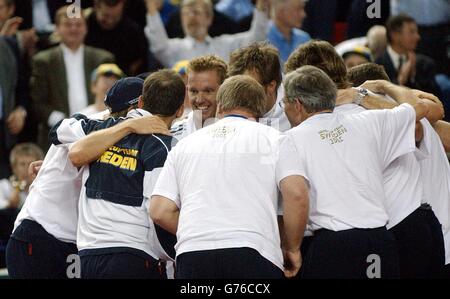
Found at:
[124, 93]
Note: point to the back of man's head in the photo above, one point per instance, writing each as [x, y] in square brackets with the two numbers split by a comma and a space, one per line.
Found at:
[359, 74]
[123, 95]
[242, 92]
[377, 40]
[163, 93]
[322, 55]
[261, 58]
[312, 87]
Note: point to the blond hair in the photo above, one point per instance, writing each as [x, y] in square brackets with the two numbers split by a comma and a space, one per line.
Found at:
[207, 4]
[25, 149]
[242, 92]
[209, 63]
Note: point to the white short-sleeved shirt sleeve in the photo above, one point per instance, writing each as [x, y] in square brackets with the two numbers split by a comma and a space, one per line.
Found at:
[150, 179]
[167, 185]
[435, 175]
[288, 161]
[397, 132]
[224, 180]
[402, 185]
[344, 158]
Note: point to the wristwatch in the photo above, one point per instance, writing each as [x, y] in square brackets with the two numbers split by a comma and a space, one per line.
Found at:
[362, 93]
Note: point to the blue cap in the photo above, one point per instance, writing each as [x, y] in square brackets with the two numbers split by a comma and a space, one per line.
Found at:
[124, 93]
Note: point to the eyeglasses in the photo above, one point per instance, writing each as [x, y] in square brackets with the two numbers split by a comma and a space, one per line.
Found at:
[286, 100]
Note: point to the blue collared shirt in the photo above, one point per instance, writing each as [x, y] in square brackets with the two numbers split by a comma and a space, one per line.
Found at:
[426, 13]
[235, 9]
[286, 47]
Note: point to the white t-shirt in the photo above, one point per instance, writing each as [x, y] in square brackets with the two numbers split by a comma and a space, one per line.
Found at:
[344, 157]
[224, 180]
[435, 175]
[276, 117]
[53, 197]
[187, 125]
[401, 179]
[113, 205]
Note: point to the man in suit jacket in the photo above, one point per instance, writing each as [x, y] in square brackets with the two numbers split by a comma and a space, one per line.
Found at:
[8, 81]
[60, 77]
[24, 9]
[12, 112]
[402, 64]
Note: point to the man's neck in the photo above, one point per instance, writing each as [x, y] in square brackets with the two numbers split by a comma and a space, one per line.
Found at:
[271, 102]
[285, 30]
[73, 47]
[199, 39]
[99, 105]
[319, 112]
[237, 112]
[168, 120]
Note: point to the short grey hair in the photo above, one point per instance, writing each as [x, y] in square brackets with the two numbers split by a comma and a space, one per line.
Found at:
[242, 92]
[312, 87]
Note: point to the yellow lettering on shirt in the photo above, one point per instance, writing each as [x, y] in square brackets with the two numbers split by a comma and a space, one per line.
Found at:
[334, 136]
[120, 157]
[105, 157]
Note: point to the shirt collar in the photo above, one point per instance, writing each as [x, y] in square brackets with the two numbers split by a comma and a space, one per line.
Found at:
[192, 41]
[395, 57]
[66, 50]
[231, 119]
[317, 117]
[135, 113]
[273, 30]
[271, 112]
[348, 107]
[276, 106]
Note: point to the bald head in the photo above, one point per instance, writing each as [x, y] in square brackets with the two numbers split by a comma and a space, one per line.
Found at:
[377, 40]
